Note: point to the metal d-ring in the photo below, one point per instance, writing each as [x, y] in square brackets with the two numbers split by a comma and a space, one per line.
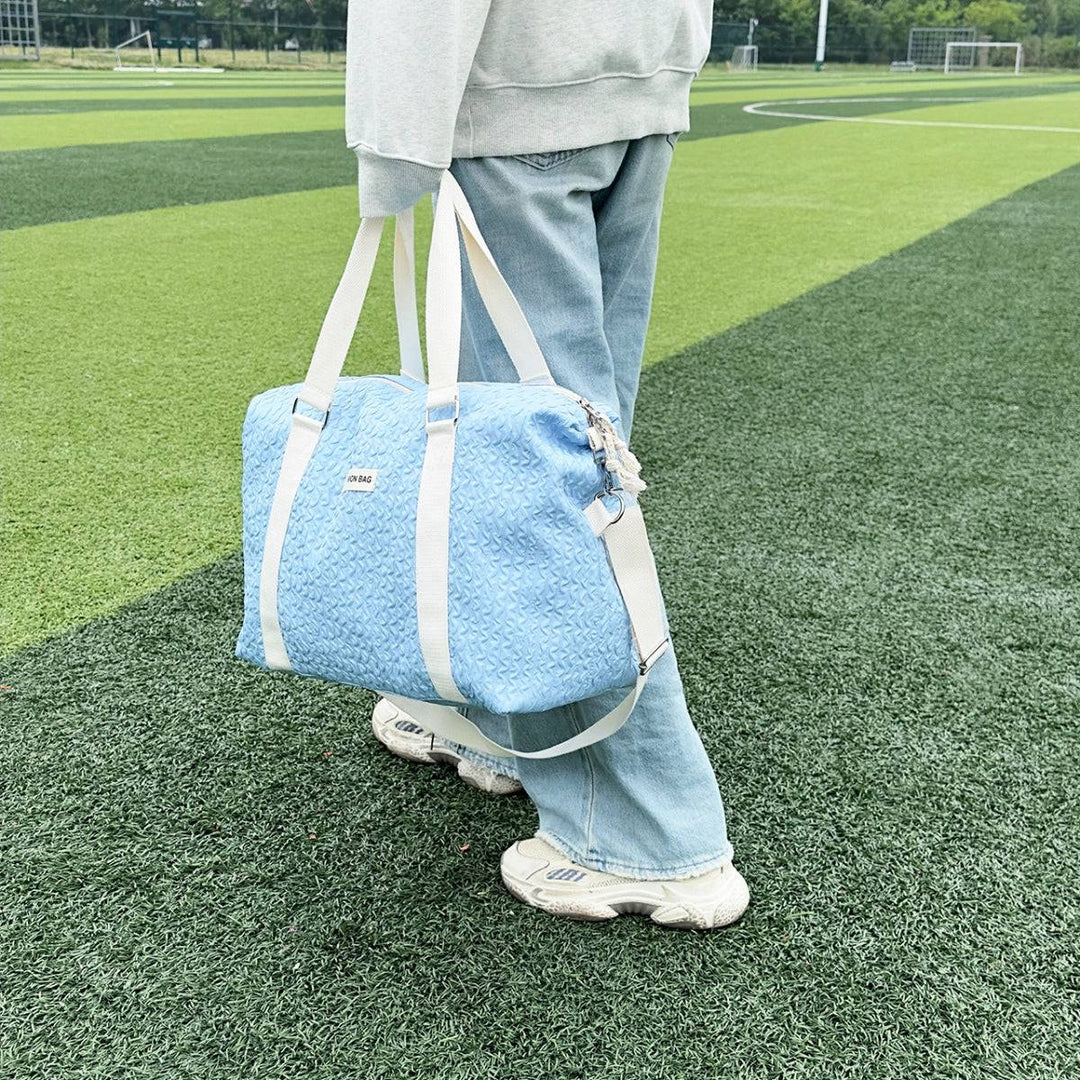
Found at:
[622, 502]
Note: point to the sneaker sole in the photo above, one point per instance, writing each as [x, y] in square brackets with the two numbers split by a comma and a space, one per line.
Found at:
[421, 752]
[668, 913]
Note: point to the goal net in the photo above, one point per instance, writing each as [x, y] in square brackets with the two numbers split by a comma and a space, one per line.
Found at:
[744, 58]
[20, 31]
[136, 54]
[926, 45]
[1007, 56]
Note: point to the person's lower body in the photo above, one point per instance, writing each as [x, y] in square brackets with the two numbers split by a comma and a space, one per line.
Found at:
[575, 234]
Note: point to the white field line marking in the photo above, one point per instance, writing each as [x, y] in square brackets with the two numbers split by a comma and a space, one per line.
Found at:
[759, 109]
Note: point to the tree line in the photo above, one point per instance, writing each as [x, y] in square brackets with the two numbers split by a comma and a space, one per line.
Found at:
[868, 31]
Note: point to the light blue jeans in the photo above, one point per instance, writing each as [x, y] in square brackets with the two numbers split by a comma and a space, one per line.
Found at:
[575, 234]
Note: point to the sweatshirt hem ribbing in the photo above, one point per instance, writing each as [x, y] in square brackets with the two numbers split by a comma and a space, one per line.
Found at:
[498, 121]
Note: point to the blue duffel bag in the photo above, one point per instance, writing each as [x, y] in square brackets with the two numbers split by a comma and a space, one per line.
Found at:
[446, 543]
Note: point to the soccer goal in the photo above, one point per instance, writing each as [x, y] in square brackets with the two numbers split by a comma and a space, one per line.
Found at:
[744, 58]
[927, 44]
[20, 30]
[136, 54]
[979, 55]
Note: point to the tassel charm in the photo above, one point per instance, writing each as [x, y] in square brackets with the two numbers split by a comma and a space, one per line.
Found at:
[613, 453]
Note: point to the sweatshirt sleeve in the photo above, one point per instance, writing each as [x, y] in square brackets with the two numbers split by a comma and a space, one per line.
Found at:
[406, 68]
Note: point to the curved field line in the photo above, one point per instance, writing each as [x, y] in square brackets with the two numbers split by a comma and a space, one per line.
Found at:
[760, 108]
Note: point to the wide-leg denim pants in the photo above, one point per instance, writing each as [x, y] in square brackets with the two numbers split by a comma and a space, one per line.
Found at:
[575, 234]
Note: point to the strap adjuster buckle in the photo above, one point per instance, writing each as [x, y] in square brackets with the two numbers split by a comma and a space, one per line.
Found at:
[647, 662]
[441, 399]
[317, 422]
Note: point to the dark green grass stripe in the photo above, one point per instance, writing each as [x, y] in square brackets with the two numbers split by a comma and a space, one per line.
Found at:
[864, 508]
[76, 182]
[51, 108]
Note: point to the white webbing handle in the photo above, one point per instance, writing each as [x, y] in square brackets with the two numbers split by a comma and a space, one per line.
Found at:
[444, 295]
[440, 419]
[408, 324]
[318, 391]
[339, 325]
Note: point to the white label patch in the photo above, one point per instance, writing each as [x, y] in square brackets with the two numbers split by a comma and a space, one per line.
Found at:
[360, 479]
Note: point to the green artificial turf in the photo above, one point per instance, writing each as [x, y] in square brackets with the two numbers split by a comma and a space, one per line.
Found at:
[90, 180]
[120, 178]
[51, 106]
[16, 87]
[717, 114]
[93, 179]
[864, 507]
[115, 327]
[149, 125]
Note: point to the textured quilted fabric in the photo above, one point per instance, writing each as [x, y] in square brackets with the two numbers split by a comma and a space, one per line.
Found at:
[536, 619]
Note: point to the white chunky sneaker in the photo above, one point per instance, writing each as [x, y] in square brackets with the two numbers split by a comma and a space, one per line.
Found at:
[403, 736]
[543, 877]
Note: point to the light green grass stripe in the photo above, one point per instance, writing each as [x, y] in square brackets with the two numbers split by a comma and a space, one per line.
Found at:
[10, 77]
[72, 129]
[1051, 110]
[124, 473]
[710, 93]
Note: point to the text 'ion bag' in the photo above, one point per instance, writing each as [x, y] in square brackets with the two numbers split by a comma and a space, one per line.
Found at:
[449, 543]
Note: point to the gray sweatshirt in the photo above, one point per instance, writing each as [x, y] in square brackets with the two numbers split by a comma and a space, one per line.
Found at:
[431, 80]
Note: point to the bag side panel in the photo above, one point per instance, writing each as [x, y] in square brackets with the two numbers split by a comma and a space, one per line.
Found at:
[346, 593]
[348, 580]
[536, 618]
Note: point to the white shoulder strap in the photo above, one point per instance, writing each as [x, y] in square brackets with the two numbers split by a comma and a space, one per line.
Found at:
[632, 562]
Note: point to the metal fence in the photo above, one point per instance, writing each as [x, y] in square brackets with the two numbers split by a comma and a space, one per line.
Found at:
[74, 30]
[786, 45]
[282, 42]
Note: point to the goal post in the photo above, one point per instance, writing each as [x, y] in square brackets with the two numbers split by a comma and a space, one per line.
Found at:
[130, 56]
[744, 58]
[982, 59]
[132, 50]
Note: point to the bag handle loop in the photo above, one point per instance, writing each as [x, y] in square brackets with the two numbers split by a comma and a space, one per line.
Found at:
[452, 212]
[443, 302]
